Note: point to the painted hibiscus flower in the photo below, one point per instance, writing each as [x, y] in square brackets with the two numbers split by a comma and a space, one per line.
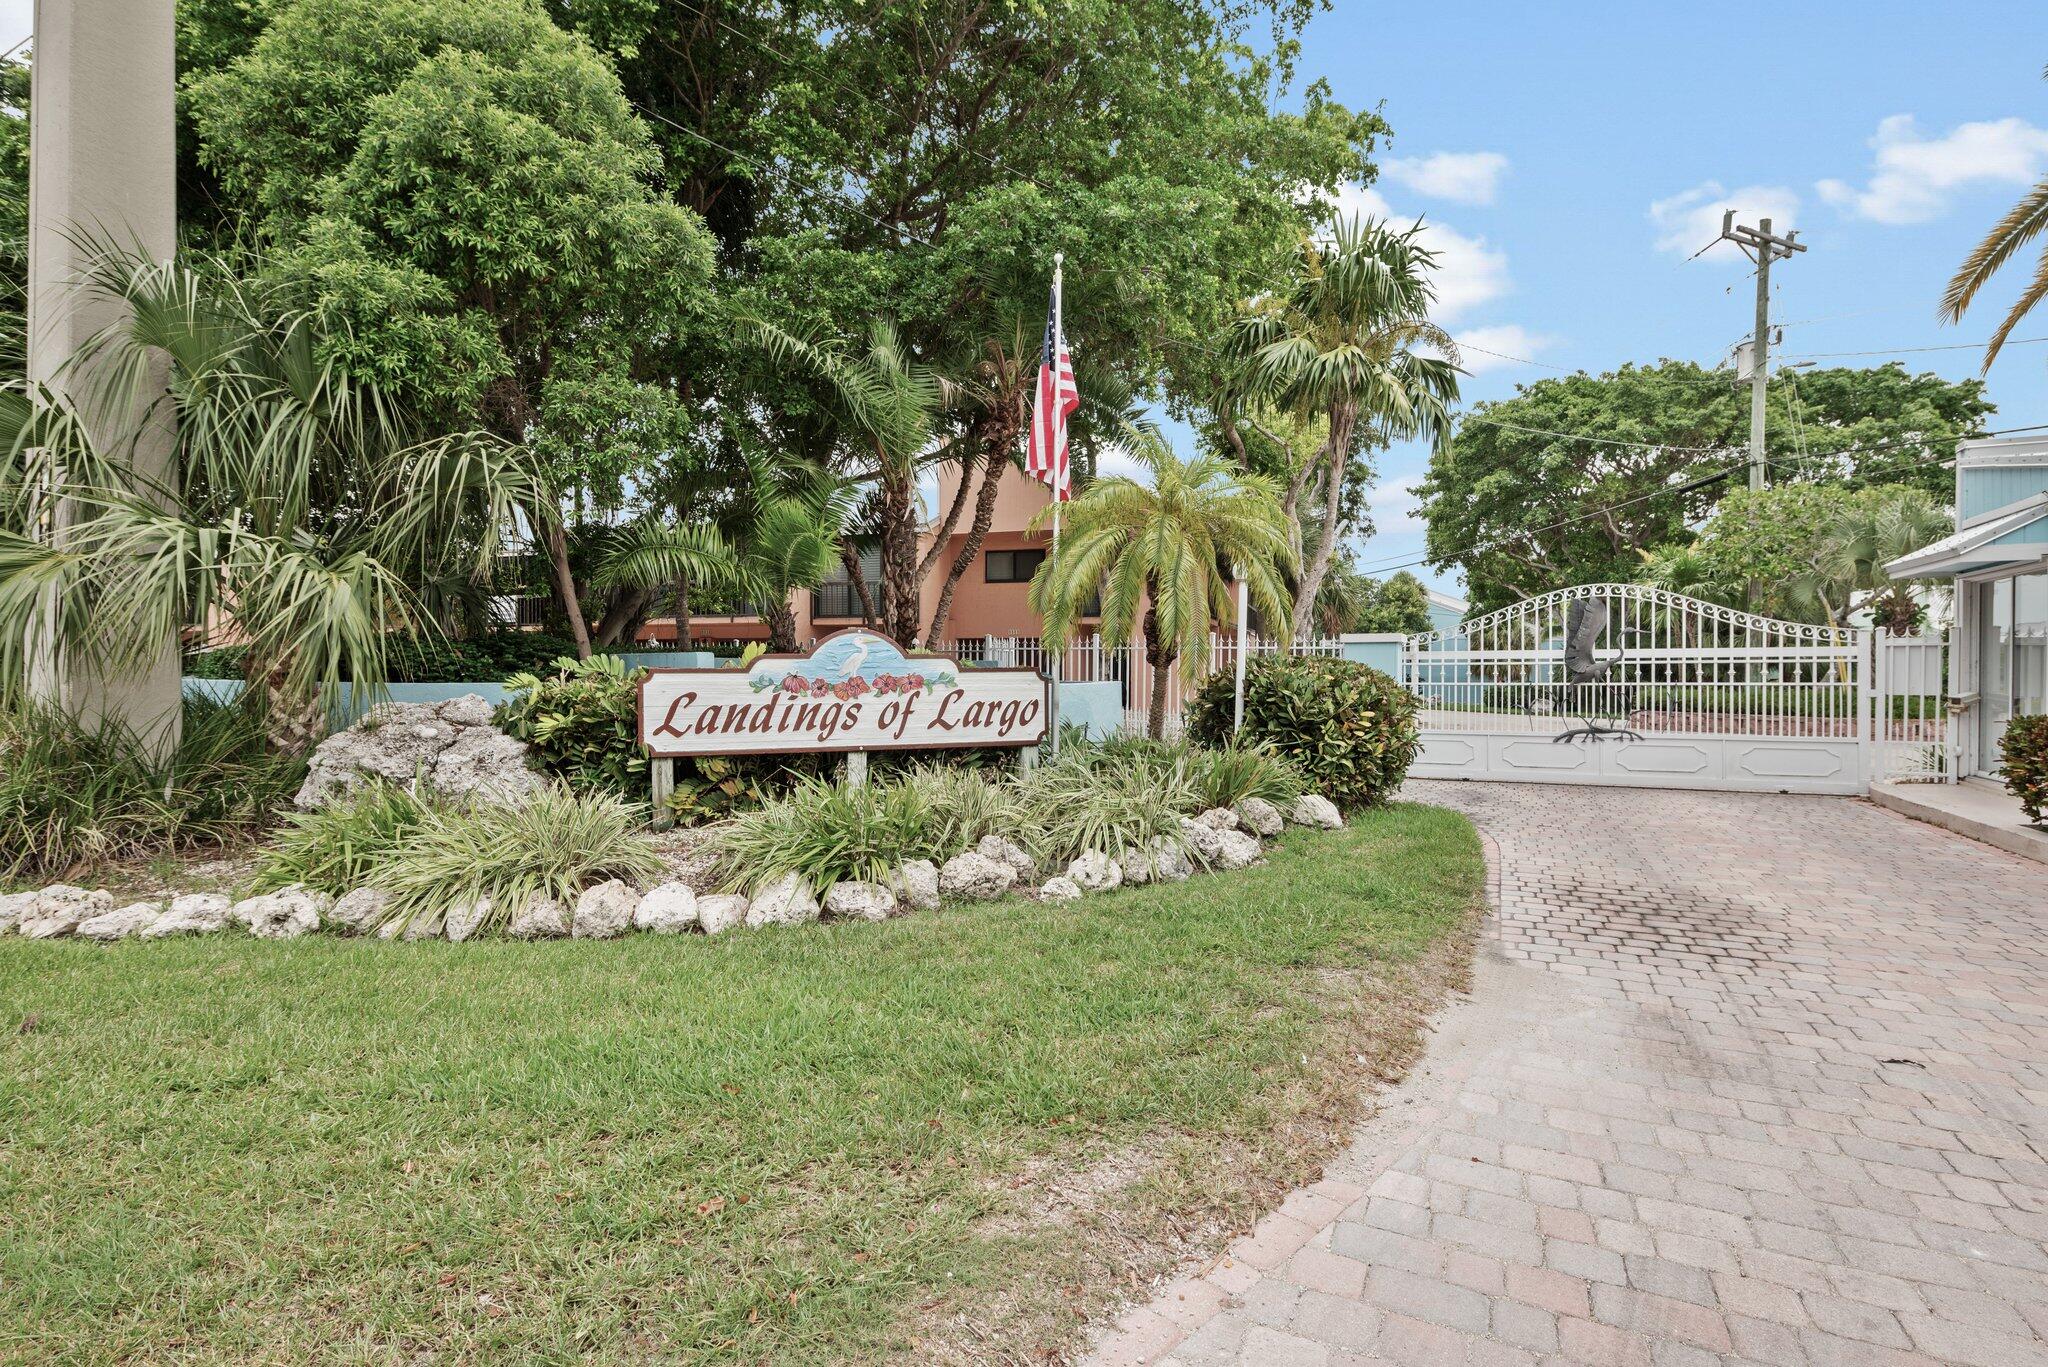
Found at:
[820, 689]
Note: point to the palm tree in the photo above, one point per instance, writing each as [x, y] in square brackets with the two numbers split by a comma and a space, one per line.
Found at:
[2020, 226]
[888, 406]
[1879, 528]
[303, 505]
[1157, 554]
[1340, 343]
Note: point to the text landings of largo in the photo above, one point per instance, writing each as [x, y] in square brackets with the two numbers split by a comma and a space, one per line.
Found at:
[856, 690]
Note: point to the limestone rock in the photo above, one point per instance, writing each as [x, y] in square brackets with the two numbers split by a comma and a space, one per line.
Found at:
[976, 876]
[57, 910]
[670, 909]
[1219, 819]
[132, 919]
[1259, 816]
[1313, 809]
[468, 710]
[13, 907]
[857, 901]
[424, 925]
[542, 918]
[282, 915]
[1165, 860]
[360, 909]
[449, 747]
[1201, 840]
[721, 912]
[788, 901]
[484, 765]
[196, 913]
[1004, 850]
[1235, 850]
[1095, 871]
[604, 911]
[465, 919]
[916, 885]
[1060, 889]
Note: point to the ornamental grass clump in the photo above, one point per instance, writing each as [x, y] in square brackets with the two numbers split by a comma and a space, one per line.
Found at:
[1081, 805]
[344, 845]
[2024, 749]
[963, 805]
[1228, 774]
[553, 844]
[74, 797]
[829, 833]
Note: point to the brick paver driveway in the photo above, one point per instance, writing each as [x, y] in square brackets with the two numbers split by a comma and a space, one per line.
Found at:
[1743, 1079]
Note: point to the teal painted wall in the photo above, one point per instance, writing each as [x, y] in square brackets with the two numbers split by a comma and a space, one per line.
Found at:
[1985, 489]
[1097, 706]
[1384, 656]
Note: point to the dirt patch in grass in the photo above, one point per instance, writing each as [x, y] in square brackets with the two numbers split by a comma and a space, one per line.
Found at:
[1133, 1219]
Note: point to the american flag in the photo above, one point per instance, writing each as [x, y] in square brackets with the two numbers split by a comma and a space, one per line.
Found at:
[1045, 458]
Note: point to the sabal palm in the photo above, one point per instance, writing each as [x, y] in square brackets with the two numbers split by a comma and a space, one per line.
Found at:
[2022, 224]
[1157, 553]
[1341, 343]
[302, 504]
[888, 406]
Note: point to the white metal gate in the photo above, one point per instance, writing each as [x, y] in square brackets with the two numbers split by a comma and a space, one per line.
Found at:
[1690, 695]
[1914, 738]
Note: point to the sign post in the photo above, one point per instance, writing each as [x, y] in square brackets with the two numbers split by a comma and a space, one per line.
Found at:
[856, 692]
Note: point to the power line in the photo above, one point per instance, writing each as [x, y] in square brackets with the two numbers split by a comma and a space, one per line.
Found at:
[1905, 350]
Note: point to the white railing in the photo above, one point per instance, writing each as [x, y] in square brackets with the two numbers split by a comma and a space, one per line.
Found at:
[1668, 664]
[1089, 660]
[1914, 740]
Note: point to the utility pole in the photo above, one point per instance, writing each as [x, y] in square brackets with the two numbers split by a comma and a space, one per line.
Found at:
[1762, 247]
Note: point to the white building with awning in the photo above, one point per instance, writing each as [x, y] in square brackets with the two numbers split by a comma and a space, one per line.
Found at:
[1998, 563]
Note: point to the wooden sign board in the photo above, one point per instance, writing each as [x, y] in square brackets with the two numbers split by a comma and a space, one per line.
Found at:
[855, 691]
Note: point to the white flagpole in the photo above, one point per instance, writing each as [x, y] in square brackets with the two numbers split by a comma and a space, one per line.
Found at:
[1059, 339]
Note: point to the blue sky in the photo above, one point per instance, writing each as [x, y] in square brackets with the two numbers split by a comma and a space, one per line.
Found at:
[1571, 157]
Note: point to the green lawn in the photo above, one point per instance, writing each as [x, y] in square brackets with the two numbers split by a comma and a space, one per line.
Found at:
[823, 1145]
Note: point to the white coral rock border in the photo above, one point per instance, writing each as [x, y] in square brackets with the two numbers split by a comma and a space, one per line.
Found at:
[1219, 839]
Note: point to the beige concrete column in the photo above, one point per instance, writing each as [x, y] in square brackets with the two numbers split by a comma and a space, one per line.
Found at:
[101, 162]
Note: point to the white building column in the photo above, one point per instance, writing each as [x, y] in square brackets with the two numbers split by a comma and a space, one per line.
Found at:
[102, 162]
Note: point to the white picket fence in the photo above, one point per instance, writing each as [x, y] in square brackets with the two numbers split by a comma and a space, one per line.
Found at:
[1089, 660]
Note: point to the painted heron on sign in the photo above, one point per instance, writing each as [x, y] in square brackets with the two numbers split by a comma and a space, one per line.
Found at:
[1589, 687]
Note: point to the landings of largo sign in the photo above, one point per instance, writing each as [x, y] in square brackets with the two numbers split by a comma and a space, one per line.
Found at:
[856, 691]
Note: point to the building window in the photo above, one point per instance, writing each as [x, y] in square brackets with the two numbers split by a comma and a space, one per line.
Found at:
[1012, 567]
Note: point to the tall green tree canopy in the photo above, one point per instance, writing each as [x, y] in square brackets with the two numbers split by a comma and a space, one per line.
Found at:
[1574, 478]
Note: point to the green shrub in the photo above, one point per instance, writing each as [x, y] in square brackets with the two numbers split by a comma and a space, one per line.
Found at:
[1228, 774]
[1348, 728]
[2024, 749]
[712, 787]
[75, 798]
[412, 659]
[344, 845]
[579, 723]
[1078, 805]
[830, 833]
[554, 844]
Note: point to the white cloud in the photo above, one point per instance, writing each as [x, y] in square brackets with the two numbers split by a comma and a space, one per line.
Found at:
[1467, 177]
[1914, 174]
[1396, 511]
[1691, 219]
[1488, 348]
[1468, 272]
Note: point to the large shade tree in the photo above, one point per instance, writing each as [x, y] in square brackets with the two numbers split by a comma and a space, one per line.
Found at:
[467, 186]
[1574, 479]
[1349, 340]
[1161, 554]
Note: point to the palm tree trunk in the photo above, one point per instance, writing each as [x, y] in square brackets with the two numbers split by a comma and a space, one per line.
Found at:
[1335, 454]
[781, 627]
[1000, 428]
[1161, 660]
[681, 609]
[565, 588]
[293, 722]
[849, 558]
[899, 555]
